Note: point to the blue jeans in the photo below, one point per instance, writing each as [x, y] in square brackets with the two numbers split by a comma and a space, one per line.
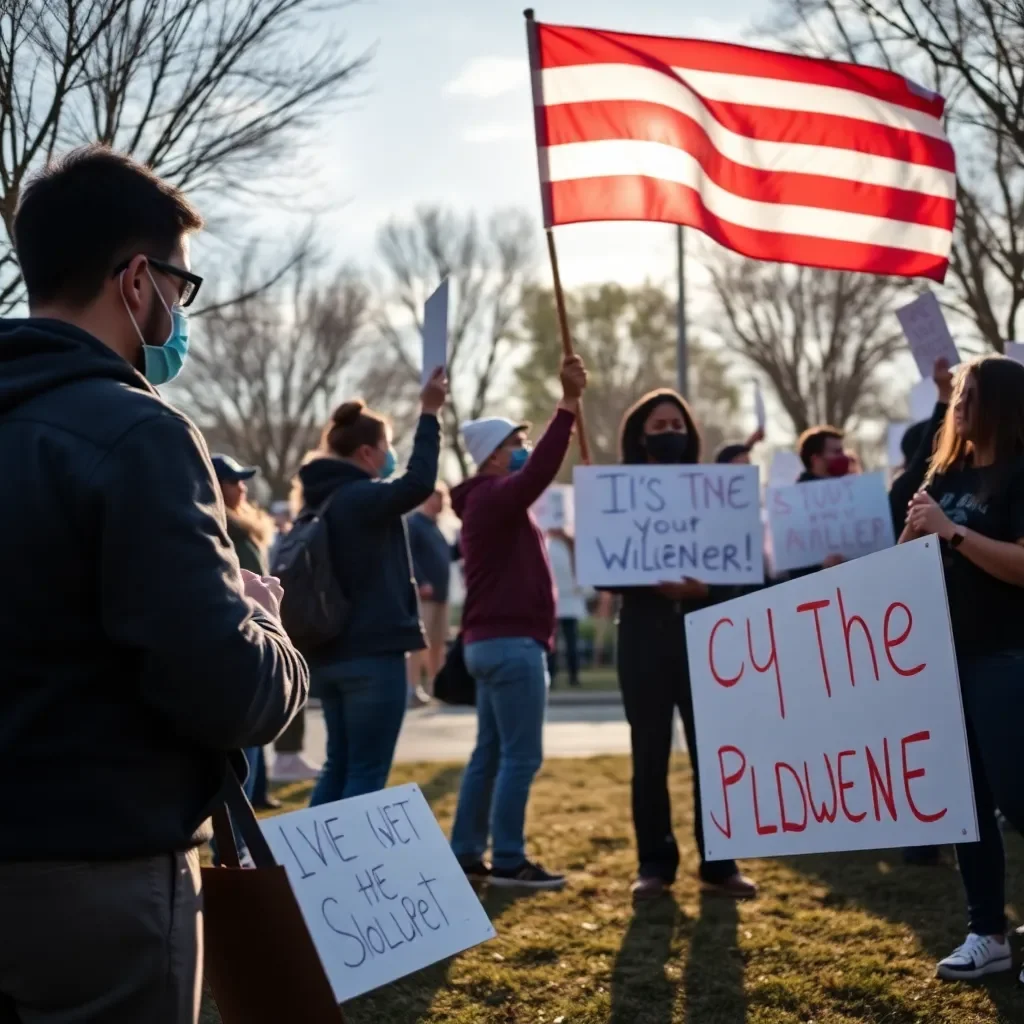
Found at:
[511, 692]
[363, 702]
[993, 692]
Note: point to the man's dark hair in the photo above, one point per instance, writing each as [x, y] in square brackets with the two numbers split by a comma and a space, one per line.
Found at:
[86, 212]
[812, 442]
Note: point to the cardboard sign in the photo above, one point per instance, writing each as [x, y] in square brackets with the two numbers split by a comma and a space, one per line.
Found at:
[1014, 350]
[644, 525]
[785, 468]
[435, 332]
[927, 333]
[846, 516]
[379, 887]
[828, 713]
[760, 413]
[554, 510]
[894, 439]
[923, 396]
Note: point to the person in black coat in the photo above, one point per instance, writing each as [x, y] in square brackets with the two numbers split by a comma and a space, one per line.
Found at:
[360, 675]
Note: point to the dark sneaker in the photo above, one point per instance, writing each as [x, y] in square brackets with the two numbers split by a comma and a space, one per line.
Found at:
[736, 887]
[647, 889]
[478, 871]
[526, 876]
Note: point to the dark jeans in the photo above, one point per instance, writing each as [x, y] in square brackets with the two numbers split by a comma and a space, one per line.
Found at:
[993, 691]
[112, 941]
[654, 676]
[363, 702]
[291, 741]
[570, 634]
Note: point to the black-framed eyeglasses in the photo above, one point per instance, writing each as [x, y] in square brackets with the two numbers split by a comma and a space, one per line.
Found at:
[190, 283]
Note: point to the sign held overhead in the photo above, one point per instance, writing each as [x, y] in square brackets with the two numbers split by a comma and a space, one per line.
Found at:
[435, 332]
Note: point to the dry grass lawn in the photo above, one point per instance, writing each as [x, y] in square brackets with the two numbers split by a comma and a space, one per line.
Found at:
[833, 939]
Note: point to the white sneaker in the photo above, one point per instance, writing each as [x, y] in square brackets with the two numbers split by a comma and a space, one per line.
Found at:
[978, 956]
[293, 768]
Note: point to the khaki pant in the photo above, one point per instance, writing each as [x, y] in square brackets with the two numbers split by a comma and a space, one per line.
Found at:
[428, 662]
[116, 942]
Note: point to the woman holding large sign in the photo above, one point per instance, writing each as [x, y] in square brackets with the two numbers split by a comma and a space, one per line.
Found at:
[654, 672]
[973, 499]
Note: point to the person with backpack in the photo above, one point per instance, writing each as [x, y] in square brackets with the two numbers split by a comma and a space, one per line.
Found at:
[355, 503]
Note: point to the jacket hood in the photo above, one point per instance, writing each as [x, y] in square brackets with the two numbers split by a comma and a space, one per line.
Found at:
[39, 355]
[461, 493]
[322, 477]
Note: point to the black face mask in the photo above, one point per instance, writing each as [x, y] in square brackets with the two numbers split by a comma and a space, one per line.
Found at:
[668, 447]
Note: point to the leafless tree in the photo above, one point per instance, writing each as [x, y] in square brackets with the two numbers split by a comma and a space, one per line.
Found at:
[266, 371]
[971, 52]
[218, 96]
[488, 267]
[819, 337]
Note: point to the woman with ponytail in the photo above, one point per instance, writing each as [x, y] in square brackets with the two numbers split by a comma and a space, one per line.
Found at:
[654, 673]
[973, 500]
[360, 675]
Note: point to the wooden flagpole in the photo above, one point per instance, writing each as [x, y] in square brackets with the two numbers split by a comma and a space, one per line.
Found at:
[563, 320]
[567, 349]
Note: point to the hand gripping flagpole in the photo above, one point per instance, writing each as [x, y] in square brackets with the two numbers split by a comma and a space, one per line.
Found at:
[545, 195]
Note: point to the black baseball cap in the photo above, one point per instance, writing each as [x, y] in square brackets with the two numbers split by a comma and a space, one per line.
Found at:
[230, 471]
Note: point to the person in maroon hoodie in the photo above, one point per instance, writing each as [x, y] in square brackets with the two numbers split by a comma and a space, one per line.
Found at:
[508, 625]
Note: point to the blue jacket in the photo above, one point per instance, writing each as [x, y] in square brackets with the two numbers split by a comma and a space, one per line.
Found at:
[370, 547]
[131, 663]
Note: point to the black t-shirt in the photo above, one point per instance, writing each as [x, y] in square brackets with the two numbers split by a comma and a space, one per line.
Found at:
[987, 614]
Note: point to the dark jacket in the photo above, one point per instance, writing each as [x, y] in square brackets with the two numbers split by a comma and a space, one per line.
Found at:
[509, 590]
[431, 555]
[910, 481]
[131, 663]
[370, 547]
[248, 552]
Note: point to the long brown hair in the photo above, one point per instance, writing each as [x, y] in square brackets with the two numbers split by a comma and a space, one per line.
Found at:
[997, 415]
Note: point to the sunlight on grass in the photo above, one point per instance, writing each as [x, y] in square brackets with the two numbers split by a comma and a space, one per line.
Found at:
[837, 939]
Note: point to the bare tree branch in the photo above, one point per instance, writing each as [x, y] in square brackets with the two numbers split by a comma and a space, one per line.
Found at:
[218, 96]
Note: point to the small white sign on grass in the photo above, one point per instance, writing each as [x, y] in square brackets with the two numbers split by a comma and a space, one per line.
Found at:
[846, 516]
[828, 713]
[644, 525]
[379, 887]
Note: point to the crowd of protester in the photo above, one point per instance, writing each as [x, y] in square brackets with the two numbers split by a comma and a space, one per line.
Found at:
[147, 667]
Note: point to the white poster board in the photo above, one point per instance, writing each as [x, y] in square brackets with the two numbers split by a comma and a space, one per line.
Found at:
[379, 887]
[828, 713]
[894, 441]
[554, 510]
[760, 413]
[435, 332]
[1015, 350]
[847, 515]
[923, 396]
[785, 468]
[644, 525]
[927, 333]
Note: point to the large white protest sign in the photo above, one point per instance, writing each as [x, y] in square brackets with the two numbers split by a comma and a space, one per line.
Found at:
[379, 887]
[846, 516]
[921, 400]
[643, 525]
[435, 331]
[927, 333]
[894, 444]
[828, 713]
[554, 509]
[1015, 350]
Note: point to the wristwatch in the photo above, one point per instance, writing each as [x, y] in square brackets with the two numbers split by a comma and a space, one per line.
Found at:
[959, 535]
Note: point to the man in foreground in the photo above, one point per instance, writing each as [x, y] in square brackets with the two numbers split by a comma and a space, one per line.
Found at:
[133, 658]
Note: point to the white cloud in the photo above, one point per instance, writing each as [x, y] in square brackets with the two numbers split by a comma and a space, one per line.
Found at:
[482, 133]
[487, 77]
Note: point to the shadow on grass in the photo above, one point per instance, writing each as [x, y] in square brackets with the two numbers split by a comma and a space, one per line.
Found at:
[713, 982]
[641, 991]
[928, 900]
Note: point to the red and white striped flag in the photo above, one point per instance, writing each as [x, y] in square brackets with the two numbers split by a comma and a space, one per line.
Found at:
[775, 156]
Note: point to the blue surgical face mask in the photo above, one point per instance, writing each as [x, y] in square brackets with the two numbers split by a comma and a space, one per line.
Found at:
[390, 464]
[517, 459]
[164, 362]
